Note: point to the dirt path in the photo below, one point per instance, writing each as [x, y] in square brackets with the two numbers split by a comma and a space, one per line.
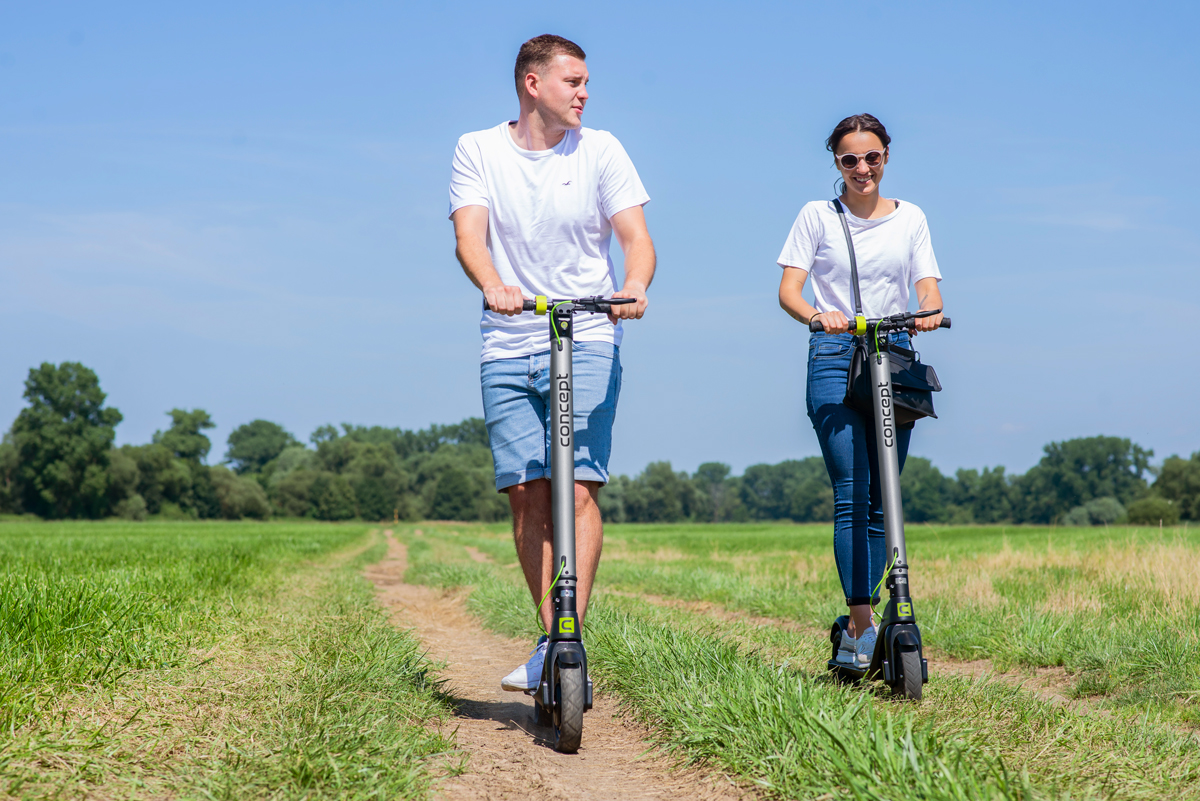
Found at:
[510, 756]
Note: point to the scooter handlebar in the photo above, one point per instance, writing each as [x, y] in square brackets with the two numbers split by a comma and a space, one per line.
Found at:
[593, 305]
[816, 326]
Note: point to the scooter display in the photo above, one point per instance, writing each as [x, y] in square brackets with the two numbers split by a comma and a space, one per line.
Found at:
[565, 691]
[898, 658]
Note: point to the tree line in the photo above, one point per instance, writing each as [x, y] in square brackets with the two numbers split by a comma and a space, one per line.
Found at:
[58, 461]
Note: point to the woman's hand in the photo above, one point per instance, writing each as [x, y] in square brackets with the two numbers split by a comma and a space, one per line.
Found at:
[834, 321]
[930, 297]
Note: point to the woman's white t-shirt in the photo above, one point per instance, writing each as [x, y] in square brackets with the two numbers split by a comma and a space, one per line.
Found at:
[548, 225]
[892, 254]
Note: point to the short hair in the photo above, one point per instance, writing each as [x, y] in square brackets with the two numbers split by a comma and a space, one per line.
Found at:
[535, 54]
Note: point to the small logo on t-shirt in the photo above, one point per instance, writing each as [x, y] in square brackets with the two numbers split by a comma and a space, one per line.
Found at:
[566, 183]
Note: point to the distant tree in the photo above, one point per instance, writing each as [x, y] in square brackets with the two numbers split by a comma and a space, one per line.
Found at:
[185, 438]
[62, 441]
[323, 433]
[254, 444]
[713, 486]
[1179, 482]
[10, 500]
[332, 497]
[293, 495]
[1075, 471]
[927, 493]
[453, 497]
[796, 489]
[659, 494]
[985, 495]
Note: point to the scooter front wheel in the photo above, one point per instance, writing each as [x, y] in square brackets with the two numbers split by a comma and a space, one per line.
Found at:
[568, 715]
[911, 680]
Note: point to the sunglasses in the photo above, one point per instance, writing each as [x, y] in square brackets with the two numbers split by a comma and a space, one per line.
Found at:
[849, 161]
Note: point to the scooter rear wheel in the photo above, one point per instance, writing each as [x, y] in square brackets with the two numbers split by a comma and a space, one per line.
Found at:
[568, 717]
[911, 681]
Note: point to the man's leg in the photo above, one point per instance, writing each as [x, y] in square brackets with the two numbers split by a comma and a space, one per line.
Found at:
[533, 533]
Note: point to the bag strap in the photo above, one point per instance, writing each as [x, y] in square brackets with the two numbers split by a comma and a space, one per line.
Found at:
[858, 312]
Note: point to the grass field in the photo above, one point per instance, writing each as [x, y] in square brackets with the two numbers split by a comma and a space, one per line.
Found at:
[222, 660]
[715, 636]
[250, 660]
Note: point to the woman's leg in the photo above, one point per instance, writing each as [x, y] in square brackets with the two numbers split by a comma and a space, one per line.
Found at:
[842, 434]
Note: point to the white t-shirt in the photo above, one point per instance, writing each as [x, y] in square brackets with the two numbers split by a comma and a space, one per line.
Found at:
[892, 253]
[548, 225]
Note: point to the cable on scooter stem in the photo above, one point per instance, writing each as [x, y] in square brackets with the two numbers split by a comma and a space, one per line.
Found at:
[538, 612]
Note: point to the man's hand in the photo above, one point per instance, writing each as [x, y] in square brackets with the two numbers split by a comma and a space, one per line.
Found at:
[928, 323]
[503, 299]
[629, 311]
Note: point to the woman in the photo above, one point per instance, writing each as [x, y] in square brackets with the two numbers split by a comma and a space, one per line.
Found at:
[891, 244]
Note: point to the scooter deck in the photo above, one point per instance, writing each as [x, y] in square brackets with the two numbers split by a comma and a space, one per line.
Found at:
[844, 672]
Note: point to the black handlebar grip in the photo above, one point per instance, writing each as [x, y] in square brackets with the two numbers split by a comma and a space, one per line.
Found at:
[527, 305]
[816, 326]
[945, 323]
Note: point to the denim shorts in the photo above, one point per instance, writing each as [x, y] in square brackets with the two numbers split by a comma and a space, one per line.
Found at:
[516, 408]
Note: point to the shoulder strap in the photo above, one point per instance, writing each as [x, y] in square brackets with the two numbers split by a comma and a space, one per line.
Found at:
[858, 311]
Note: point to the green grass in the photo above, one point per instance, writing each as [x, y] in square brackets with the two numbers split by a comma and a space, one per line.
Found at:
[218, 660]
[753, 699]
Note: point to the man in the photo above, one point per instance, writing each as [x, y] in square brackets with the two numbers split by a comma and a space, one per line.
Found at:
[534, 204]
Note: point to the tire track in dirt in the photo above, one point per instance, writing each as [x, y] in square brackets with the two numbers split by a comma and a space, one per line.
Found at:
[511, 757]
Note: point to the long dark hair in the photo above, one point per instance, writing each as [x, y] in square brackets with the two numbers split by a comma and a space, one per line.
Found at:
[859, 123]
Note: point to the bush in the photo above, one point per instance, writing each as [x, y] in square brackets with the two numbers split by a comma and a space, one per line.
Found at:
[239, 497]
[1096, 512]
[131, 508]
[1152, 511]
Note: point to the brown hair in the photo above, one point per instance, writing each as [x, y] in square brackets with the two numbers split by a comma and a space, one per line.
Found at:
[535, 54]
[856, 124]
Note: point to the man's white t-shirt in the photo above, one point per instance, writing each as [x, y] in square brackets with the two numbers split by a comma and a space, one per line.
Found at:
[892, 253]
[548, 225]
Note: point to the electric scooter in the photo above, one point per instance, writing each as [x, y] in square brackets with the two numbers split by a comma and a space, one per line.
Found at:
[565, 691]
[898, 658]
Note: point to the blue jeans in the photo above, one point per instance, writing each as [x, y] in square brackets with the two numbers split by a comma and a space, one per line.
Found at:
[516, 409]
[847, 440]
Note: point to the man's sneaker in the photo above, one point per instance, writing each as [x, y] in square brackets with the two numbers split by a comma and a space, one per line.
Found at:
[529, 675]
[864, 649]
[846, 649]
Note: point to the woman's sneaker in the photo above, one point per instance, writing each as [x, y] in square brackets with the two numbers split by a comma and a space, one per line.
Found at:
[864, 649]
[529, 675]
[846, 649]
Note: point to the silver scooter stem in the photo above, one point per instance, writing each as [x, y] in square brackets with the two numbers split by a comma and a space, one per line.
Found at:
[889, 473]
[562, 458]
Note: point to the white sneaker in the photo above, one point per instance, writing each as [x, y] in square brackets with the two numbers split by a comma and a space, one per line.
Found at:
[529, 675]
[846, 649]
[864, 649]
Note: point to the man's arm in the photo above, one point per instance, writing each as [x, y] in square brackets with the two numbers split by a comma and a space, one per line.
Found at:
[470, 233]
[630, 227]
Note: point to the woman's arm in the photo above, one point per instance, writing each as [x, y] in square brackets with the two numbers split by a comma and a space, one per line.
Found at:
[930, 297]
[791, 299]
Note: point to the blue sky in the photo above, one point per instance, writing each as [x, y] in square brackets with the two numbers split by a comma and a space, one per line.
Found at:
[242, 208]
